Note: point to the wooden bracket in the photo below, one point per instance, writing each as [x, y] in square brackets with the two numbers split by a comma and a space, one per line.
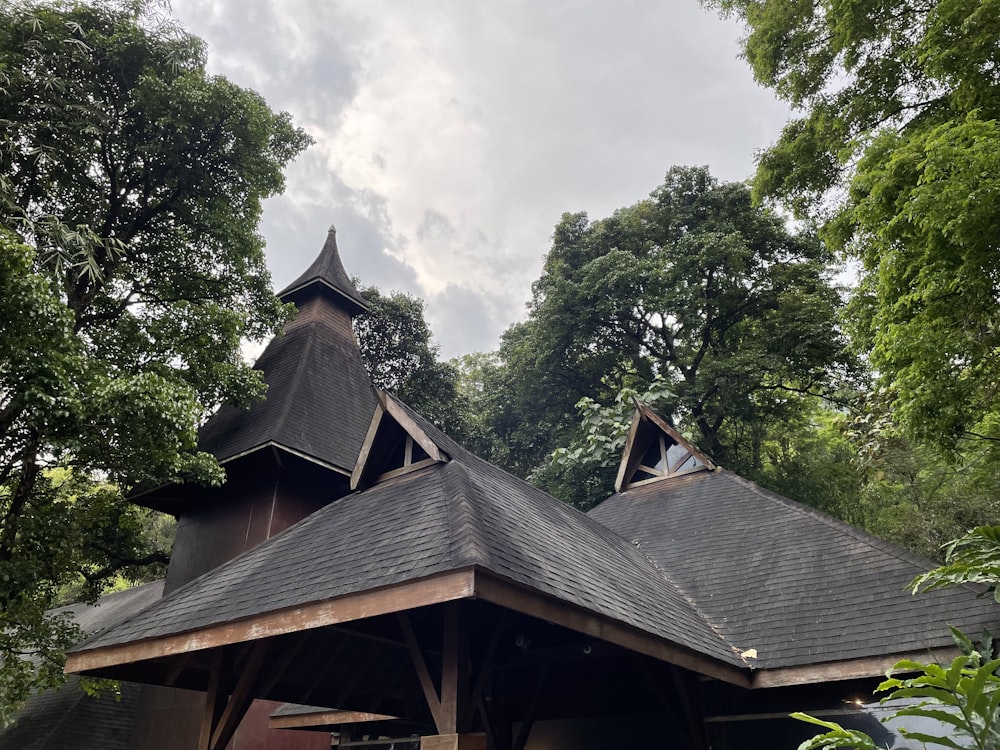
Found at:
[426, 683]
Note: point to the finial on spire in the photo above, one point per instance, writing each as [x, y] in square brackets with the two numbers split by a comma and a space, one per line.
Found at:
[332, 229]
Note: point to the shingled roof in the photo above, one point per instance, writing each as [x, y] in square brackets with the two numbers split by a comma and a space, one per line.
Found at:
[66, 718]
[326, 272]
[789, 581]
[319, 397]
[459, 514]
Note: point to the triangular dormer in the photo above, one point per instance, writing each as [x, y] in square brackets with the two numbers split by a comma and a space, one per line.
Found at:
[655, 450]
[395, 444]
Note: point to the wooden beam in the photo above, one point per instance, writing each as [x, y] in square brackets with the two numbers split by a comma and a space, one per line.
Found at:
[423, 674]
[241, 697]
[414, 430]
[214, 702]
[434, 589]
[845, 670]
[177, 668]
[455, 704]
[536, 699]
[624, 466]
[527, 601]
[366, 445]
[325, 718]
[321, 672]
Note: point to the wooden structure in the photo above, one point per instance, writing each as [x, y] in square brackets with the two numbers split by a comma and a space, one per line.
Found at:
[448, 593]
[415, 590]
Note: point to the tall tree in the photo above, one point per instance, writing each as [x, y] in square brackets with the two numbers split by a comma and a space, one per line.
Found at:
[898, 151]
[131, 268]
[397, 347]
[694, 285]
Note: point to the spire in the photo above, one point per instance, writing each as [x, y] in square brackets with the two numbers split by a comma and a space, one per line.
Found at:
[326, 274]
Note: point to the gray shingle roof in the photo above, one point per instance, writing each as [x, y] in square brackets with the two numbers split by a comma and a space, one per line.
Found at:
[327, 271]
[444, 517]
[319, 399]
[774, 575]
[68, 719]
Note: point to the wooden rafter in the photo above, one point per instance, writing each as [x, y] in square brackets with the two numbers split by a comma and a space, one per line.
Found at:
[431, 694]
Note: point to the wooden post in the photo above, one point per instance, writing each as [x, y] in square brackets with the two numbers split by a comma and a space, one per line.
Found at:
[215, 702]
[456, 708]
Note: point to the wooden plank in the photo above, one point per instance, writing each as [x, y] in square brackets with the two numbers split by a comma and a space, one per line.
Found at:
[415, 431]
[214, 702]
[321, 718]
[435, 589]
[241, 697]
[623, 466]
[845, 670]
[366, 445]
[423, 674]
[656, 419]
[535, 604]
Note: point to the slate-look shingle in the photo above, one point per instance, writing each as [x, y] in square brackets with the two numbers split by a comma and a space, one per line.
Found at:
[440, 518]
[68, 719]
[785, 579]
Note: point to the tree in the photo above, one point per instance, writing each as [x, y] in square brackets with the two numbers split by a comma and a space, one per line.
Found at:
[396, 346]
[695, 286]
[897, 153]
[130, 271]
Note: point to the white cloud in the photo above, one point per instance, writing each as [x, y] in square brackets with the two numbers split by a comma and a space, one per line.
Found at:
[452, 135]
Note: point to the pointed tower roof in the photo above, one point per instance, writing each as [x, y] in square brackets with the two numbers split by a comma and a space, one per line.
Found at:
[319, 396]
[326, 274]
[319, 399]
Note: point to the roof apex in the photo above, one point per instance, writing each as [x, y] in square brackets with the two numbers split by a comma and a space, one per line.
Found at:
[326, 274]
[390, 422]
[646, 424]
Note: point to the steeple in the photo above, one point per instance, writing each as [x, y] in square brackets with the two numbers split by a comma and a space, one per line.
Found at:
[319, 398]
[326, 275]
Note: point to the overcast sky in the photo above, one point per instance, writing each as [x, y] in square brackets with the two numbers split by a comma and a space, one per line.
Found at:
[452, 135]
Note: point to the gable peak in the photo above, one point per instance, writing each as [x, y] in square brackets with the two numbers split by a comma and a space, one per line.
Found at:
[655, 450]
[395, 444]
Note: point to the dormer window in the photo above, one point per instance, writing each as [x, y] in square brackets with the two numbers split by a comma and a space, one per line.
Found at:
[655, 451]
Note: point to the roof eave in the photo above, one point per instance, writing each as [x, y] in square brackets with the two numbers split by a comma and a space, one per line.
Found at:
[471, 582]
[848, 669]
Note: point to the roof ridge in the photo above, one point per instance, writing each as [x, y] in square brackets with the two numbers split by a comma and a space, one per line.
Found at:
[683, 592]
[463, 522]
[836, 524]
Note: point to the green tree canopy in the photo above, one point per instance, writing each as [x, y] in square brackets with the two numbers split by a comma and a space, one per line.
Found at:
[131, 269]
[695, 286]
[897, 152]
[401, 358]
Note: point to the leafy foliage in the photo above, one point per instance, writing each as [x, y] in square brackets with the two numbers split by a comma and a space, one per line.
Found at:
[693, 287]
[396, 346]
[130, 271]
[972, 558]
[897, 152]
[963, 697]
